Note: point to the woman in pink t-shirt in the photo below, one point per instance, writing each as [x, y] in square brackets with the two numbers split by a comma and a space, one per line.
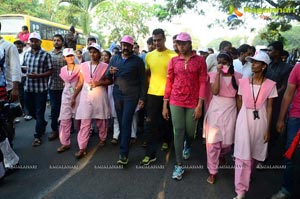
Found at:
[185, 92]
[219, 122]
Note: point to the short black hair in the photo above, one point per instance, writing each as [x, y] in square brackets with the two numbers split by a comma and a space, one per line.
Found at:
[60, 36]
[91, 39]
[243, 48]
[159, 31]
[150, 40]
[25, 27]
[277, 45]
[285, 53]
[107, 52]
[224, 44]
[174, 37]
[72, 29]
[19, 42]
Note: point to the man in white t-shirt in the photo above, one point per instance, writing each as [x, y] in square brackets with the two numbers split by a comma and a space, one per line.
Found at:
[240, 64]
[211, 60]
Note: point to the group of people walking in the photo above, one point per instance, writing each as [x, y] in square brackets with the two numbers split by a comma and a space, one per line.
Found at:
[176, 89]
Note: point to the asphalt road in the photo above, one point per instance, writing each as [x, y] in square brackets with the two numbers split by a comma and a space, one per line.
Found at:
[47, 174]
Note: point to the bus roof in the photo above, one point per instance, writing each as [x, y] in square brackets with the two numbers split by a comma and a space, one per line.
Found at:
[44, 21]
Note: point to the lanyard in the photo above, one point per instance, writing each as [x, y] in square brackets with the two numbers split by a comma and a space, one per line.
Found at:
[72, 70]
[255, 112]
[91, 70]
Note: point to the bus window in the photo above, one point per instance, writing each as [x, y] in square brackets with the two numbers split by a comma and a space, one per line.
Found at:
[81, 39]
[11, 25]
[49, 32]
[43, 31]
[34, 27]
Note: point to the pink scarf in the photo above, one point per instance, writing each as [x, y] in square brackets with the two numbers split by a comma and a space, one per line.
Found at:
[265, 91]
[69, 78]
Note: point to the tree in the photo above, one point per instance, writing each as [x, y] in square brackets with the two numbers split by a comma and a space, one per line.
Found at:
[85, 8]
[124, 17]
[278, 22]
[20, 7]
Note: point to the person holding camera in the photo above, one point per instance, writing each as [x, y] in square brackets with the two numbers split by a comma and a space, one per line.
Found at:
[12, 77]
[71, 38]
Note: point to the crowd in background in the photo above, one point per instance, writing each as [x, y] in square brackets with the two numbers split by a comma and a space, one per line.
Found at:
[238, 98]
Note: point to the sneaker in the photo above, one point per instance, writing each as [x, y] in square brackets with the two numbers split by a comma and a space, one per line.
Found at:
[17, 120]
[186, 153]
[211, 179]
[144, 144]
[147, 160]
[177, 172]
[27, 117]
[123, 160]
[164, 146]
[280, 195]
[114, 141]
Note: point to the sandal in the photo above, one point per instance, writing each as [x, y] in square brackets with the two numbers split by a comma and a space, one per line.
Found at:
[80, 154]
[36, 142]
[63, 148]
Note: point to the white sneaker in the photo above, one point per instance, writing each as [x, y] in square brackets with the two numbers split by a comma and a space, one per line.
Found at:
[280, 195]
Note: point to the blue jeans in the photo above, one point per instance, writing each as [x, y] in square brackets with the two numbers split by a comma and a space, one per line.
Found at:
[293, 126]
[36, 104]
[55, 102]
[125, 109]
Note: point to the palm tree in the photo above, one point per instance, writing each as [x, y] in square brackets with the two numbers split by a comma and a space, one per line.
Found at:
[86, 8]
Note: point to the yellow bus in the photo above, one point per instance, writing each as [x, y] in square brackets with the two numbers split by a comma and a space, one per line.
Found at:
[12, 25]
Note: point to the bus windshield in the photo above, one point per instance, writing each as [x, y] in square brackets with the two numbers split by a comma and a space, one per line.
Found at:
[11, 25]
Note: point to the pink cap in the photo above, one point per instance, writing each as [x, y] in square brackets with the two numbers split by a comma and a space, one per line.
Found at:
[68, 51]
[127, 39]
[96, 46]
[34, 35]
[183, 36]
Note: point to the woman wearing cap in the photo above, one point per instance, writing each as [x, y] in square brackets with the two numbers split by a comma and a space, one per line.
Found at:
[185, 92]
[93, 103]
[252, 131]
[220, 118]
[73, 81]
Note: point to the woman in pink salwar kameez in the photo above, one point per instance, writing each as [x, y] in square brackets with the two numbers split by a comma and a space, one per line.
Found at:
[253, 122]
[219, 121]
[73, 81]
[93, 103]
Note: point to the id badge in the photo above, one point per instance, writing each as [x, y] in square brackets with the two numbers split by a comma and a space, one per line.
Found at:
[72, 90]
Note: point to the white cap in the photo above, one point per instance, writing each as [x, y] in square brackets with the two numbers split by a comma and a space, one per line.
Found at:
[96, 46]
[68, 51]
[34, 35]
[204, 50]
[260, 56]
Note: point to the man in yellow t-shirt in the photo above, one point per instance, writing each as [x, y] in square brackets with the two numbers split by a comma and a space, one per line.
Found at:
[156, 67]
